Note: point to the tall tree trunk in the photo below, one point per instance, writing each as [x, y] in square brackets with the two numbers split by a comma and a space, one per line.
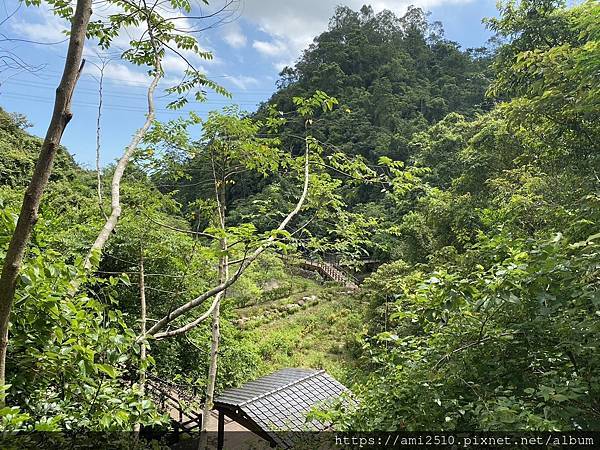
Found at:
[142, 321]
[214, 350]
[29, 210]
[216, 330]
[143, 332]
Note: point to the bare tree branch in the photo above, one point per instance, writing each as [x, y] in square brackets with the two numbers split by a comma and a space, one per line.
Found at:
[112, 220]
[176, 313]
[98, 135]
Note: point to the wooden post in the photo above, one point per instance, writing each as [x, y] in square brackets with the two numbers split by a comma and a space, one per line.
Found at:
[221, 431]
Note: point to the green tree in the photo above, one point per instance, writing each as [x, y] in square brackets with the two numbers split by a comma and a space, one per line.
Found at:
[147, 50]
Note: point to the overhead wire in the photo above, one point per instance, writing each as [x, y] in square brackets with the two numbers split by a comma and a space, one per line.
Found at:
[94, 91]
[112, 107]
[85, 100]
[142, 84]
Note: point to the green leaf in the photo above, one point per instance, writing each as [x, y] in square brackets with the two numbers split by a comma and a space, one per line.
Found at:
[108, 370]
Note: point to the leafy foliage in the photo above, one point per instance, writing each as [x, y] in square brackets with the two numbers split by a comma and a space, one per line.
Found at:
[71, 350]
[487, 320]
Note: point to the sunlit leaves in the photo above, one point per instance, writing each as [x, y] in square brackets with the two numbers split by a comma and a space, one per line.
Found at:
[307, 106]
[192, 81]
[557, 76]
[446, 328]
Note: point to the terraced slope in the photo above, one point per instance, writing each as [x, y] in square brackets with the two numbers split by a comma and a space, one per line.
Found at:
[312, 329]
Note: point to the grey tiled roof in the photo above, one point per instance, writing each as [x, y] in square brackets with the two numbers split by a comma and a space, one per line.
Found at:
[280, 401]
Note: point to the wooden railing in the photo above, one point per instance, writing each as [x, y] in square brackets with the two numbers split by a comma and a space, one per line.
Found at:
[180, 401]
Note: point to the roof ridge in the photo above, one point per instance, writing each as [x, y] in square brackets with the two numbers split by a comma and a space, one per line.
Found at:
[285, 386]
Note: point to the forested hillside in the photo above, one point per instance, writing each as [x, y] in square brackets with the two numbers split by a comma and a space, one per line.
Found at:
[487, 317]
[395, 76]
[462, 187]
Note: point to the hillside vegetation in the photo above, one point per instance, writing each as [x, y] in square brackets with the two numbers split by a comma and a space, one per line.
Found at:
[468, 179]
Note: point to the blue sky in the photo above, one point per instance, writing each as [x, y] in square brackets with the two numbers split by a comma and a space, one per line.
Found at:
[261, 36]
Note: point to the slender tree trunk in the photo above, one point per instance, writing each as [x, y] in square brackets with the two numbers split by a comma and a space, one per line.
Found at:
[29, 210]
[143, 332]
[216, 330]
[142, 321]
[98, 136]
[214, 352]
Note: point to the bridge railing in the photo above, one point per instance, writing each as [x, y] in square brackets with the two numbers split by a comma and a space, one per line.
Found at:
[329, 264]
[335, 260]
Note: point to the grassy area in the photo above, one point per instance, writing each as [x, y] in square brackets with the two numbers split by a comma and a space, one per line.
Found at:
[291, 293]
[308, 329]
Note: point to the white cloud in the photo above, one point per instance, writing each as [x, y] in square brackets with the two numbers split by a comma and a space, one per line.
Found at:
[275, 48]
[243, 81]
[120, 73]
[43, 26]
[292, 25]
[173, 63]
[234, 36]
[280, 65]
